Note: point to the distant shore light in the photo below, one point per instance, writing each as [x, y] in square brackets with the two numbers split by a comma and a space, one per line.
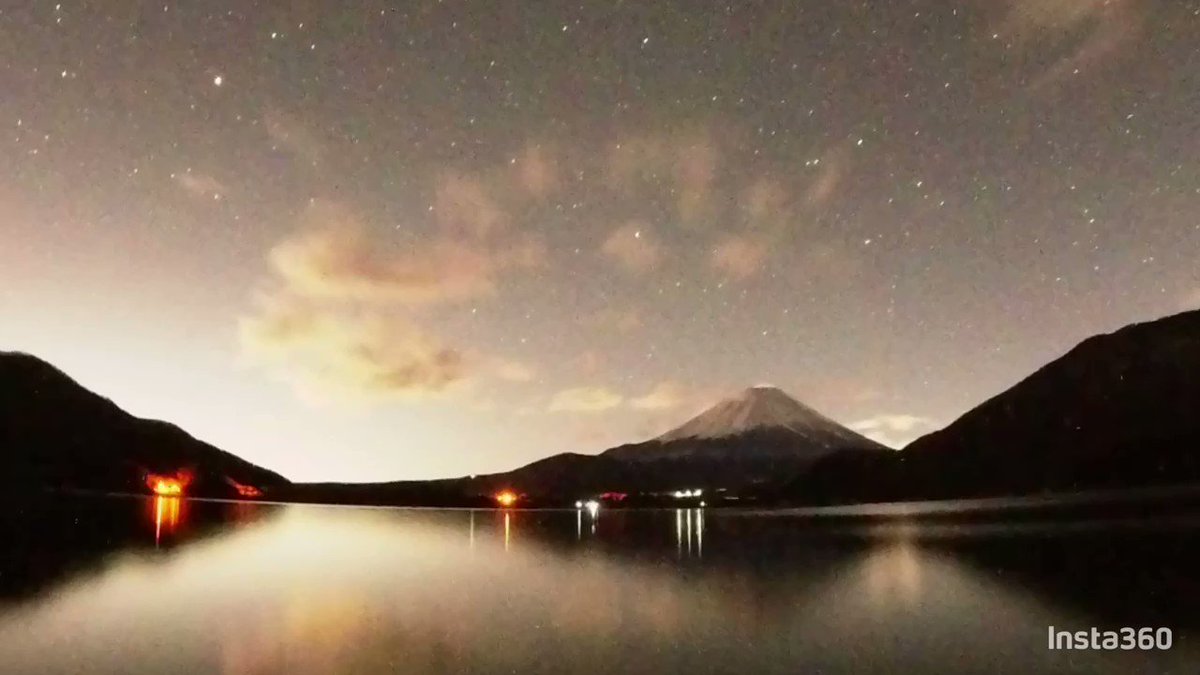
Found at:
[168, 486]
[244, 490]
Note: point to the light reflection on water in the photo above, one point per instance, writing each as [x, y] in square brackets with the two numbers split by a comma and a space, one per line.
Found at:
[168, 512]
[338, 590]
[684, 536]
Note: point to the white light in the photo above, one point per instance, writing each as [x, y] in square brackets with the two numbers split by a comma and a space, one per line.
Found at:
[593, 506]
[697, 493]
[579, 505]
[702, 504]
[679, 494]
[218, 80]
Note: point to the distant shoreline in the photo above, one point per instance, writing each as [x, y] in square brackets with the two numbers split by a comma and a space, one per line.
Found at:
[1134, 503]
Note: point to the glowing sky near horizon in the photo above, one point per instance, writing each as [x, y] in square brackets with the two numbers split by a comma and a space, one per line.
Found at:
[378, 240]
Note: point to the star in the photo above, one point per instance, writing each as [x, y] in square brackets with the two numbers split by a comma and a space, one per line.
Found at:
[444, 175]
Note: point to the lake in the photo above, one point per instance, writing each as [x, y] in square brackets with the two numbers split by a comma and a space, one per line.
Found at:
[131, 585]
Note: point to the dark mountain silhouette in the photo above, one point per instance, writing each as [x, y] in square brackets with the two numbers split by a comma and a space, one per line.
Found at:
[1118, 410]
[556, 479]
[55, 433]
[762, 435]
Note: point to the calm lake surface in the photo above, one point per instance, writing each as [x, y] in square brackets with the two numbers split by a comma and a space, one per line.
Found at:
[125, 585]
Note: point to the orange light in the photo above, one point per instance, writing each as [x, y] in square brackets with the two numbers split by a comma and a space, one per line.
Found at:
[166, 516]
[506, 498]
[168, 486]
[248, 491]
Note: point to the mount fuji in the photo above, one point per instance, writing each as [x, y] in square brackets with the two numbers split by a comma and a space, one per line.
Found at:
[760, 422]
[763, 407]
[760, 436]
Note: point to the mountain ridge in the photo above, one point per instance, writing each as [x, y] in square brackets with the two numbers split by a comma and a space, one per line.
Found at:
[760, 435]
[757, 407]
[1118, 409]
[55, 432]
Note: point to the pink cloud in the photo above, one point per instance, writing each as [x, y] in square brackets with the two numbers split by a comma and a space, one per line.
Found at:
[320, 349]
[739, 257]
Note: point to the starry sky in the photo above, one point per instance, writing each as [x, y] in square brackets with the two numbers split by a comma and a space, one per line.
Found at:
[374, 241]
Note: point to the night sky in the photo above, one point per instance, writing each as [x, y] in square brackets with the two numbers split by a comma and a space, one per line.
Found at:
[373, 241]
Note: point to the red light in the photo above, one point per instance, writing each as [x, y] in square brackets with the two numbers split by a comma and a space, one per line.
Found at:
[243, 490]
[168, 486]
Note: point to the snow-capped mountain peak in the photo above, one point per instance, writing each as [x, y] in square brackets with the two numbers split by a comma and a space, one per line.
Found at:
[759, 407]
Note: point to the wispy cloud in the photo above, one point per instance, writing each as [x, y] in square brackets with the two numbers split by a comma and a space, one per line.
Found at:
[537, 171]
[739, 257]
[339, 263]
[894, 430]
[685, 162]
[200, 185]
[321, 350]
[664, 396]
[466, 207]
[1085, 32]
[589, 362]
[695, 171]
[337, 260]
[831, 171]
[763, 199]
[512, 371]
[585, 400]
[339, 314]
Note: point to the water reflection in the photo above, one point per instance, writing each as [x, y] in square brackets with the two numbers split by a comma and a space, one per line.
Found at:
[685, 521]
[318, 590]
[168, 513]
[893, 574]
